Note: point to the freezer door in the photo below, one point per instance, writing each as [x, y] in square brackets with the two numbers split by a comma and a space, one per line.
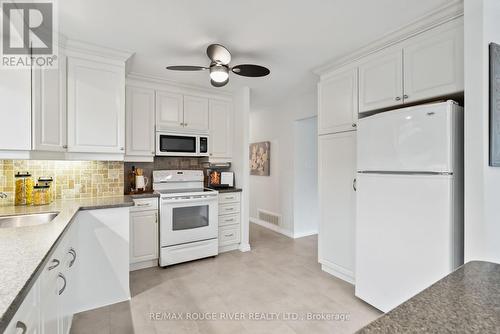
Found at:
[404, 236]
[409, 139]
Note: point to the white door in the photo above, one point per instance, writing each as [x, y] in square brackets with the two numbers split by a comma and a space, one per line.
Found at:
[434, 63]
[221, 129]
[196, 113]
[404, 236]
[338, 101]
[140, 122]
[337, 170]
[414, 139]
[143, 236]
[169, 111]
[381, 80]
[49, 107]
[96, 107]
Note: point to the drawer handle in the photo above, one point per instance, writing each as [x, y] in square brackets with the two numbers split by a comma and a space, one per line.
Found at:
[55, 264]
[230, 197]
[229, 209]
[228, 235]
[144, 204]
[64, 286]
[229, 219]
[22, 326]
[72, 251]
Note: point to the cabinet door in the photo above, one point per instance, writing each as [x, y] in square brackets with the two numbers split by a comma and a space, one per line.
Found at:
[221, 129]
[27, 318]
[49, 107]
[337, 169]
[338, 101]
[381, 80]
[140, 122]
[169, 111]
[434, 63]
[96, 107]
[196, 113]
[15, 113]
[143, 236]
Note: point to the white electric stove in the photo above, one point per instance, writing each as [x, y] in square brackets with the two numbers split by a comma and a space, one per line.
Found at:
[188, 216]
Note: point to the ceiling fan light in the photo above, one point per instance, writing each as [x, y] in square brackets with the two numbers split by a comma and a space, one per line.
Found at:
[219, 73]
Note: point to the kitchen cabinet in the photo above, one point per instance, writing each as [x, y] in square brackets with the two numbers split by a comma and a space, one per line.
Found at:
[96, 106]
[49, 107]
[221, 129]
[337, 202]
[338, 101]
[434, 63]
[27, 318]
[381, 80]
[229, 221]
[144, 244]
[196, 113]
[140, 124]
[169, 111]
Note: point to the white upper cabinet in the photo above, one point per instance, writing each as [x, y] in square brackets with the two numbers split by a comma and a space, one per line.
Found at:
[338, 101]
[221, 129]
[49, 107]
[140, 122]
[96, 106]
[195, 113]
[381, 80]
[434, 63]
[169, 111]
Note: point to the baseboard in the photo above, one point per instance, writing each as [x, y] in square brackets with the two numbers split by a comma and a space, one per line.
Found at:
[228, 248]
[143, 264]
[337, 271]
[304, 234]
[272, 227]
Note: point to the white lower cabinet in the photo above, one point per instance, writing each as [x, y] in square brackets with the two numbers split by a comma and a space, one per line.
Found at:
[337, 199]
[88, 269]
[229, 221]
[144, 244]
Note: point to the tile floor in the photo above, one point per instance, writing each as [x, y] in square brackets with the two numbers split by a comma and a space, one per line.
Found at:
[280, 275]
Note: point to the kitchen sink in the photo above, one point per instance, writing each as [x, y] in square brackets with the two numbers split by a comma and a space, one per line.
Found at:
[27, 220]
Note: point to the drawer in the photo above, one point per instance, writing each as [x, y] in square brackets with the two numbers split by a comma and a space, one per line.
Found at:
[229, 197]
[225, 209]
[229, 219]
[141, 204]
[229, 234]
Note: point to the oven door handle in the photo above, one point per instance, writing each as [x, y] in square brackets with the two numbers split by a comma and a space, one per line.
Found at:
[188, 200]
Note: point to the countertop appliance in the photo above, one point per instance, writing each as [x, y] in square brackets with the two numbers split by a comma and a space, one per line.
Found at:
[218, 179]
[409, 228]
[176, 144]
[188, 216]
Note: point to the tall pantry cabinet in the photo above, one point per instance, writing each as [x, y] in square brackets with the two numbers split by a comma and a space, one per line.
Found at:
[337, 118]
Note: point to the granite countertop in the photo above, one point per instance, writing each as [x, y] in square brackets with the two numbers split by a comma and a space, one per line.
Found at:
[465, 301]
[228, 190]
[23, 250]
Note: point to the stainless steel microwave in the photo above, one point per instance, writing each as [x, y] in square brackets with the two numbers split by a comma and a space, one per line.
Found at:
[181, 145]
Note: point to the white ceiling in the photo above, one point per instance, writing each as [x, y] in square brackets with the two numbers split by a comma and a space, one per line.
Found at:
[291, 37]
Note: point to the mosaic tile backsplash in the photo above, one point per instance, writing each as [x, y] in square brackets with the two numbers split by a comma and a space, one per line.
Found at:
[72, 179]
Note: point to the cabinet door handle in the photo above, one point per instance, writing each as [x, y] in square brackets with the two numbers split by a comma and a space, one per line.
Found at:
[398, 98]
[22, 326]
[354, 125]
[72, 251]
[181, 124]
[122, 149]
[185, 124]
[55, 264]
[405, 96]
[354, 187]
[65, 146]
[60, 275]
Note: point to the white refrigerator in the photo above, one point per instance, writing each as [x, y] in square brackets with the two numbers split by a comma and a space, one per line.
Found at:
[409, 226]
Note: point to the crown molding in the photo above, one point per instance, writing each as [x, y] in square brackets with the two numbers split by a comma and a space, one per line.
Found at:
[96, 50]
[441, 15]
[152, 79]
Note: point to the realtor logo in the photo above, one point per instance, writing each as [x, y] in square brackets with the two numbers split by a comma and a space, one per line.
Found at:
[29, 37]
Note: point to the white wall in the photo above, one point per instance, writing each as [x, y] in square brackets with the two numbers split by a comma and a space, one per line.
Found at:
[274, 193]
[482, 183]
[305, 208]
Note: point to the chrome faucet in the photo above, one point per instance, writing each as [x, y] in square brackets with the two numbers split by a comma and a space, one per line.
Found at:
[3, 195]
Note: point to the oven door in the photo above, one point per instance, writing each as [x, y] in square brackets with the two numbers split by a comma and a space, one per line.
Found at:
[171, 144]
[188, 219]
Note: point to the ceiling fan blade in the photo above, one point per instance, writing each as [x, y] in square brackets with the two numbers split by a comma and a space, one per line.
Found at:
[219, 84]
[187, 68]
[250, 70]
[218, 54]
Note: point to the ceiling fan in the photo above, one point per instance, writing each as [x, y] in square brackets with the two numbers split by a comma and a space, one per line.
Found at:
[219, 66]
